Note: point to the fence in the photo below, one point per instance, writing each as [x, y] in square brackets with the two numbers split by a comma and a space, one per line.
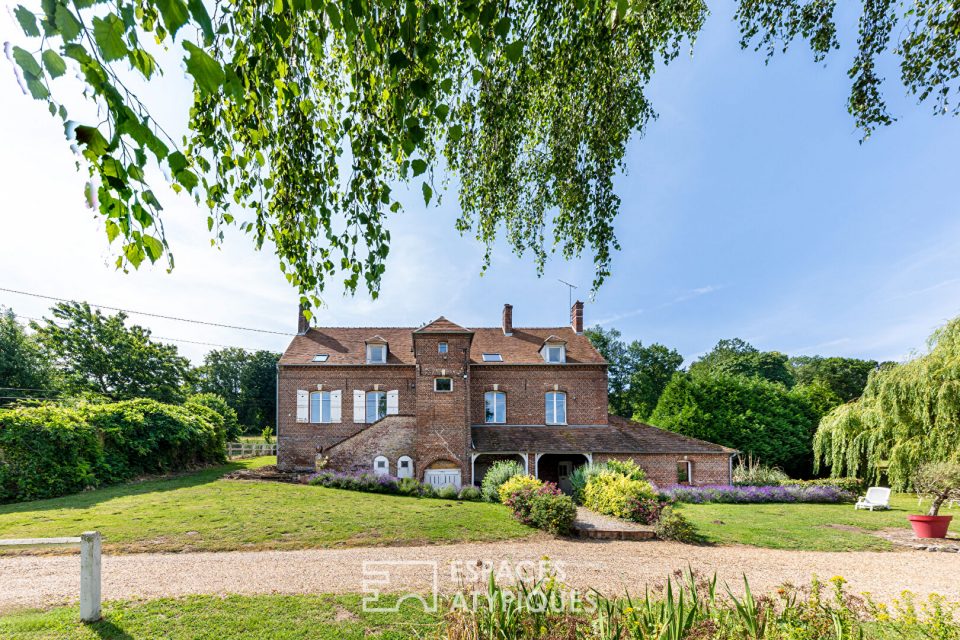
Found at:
[250, 449]
[89, 567]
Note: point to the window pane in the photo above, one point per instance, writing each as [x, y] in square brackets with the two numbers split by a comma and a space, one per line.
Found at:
[443, 384]
[443, 347]
[561, 408]
[315, 407]
[549, 409]
[489, 407]
[325, 406]
[376, 405]
[501, 407]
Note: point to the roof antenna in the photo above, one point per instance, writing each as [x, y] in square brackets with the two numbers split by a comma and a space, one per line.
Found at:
[570, 288]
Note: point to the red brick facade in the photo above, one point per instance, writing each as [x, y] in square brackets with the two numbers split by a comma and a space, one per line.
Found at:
[442, 425]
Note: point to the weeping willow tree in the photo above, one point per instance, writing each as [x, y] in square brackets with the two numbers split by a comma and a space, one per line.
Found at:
[909, 414]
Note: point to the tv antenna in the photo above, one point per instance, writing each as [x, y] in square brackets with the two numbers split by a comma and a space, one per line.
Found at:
[570, 288]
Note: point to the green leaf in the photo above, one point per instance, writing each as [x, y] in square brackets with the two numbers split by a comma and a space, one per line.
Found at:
[177, 162]
[514, 50]
[67, 24]
[28, 21]
[112, 230]
[108, 34]
[55, 65]
[35, 86]
[92, 139]
[427, 194]
[27, 62]
[333, 12]
[175, 14]
[206, 71]
[153, 247]
[419, 166]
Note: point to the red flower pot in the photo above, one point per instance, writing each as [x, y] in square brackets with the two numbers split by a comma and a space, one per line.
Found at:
[930, 526]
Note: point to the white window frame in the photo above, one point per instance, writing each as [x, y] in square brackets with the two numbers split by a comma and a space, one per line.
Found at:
[409, 461]
[443, 347]
[494, 395]
[315, 419]
[546, 413]
[492, 357]
[366, 404]
[372, 348]
[436, 380]
[377, 469]
[562, 351]
[321, 357]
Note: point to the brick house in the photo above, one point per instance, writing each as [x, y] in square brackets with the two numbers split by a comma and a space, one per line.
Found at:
[441, 403]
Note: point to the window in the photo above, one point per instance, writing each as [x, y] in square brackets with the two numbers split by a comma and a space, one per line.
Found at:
[492, 357]
[376, 405]
[684, 472]
[556, 408]
[442, 347]
[320, 407]
[376, 353]
[443, 384]
[321, 357]
[495, 406]
[381, 466]
[405, 467]
[554, 354]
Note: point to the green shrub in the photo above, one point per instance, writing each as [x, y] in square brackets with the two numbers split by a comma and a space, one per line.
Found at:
[471, 494]
[553, 513]
[447, 492]
[613, 494]
[409, 487]
[498, 473]
[581, 475]
[516, 483]
[672, 525]
[852, 485]
[752, 472]
[627, 468]
[231, 425]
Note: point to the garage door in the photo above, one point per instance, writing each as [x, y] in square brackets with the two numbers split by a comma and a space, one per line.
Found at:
[441, 477]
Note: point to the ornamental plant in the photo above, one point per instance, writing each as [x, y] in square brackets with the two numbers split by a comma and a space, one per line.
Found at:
[938, 481]
[498, 473]
[612, 494]
[581, 476]
[552, 512]
[517, 483]
[750, 495]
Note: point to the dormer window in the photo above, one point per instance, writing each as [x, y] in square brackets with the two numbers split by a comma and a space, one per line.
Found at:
[376, 353]
[555, 354]
[321, 357]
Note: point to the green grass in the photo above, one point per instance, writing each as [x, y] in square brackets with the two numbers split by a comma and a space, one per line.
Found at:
[203, 512]
[810, 527]
[236, 617]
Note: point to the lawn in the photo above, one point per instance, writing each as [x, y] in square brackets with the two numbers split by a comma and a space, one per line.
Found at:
[203, 512]
[236, 617]
[810, 527]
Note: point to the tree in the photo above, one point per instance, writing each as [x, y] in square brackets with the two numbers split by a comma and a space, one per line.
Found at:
[845, 377]
[737, 357]
[25, 370]
[306, 114]
[259, 395]
[907, 416]
[637, 374]
[750, 414]
[221, 373]
[100, 354]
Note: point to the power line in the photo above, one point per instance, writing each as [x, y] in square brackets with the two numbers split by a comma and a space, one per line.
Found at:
[147, 313]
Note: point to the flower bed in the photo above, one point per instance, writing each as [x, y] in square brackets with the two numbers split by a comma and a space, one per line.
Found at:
[753, 495]
[373, 483]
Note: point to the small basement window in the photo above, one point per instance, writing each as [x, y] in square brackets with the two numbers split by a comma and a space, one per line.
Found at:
[321, 357]
[492, 357]
[443, 384]
[442, 347]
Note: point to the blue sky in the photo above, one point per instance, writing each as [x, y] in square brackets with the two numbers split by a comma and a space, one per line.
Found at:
[750, 209]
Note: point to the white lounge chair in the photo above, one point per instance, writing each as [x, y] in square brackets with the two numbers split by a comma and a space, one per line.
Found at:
[876, 498]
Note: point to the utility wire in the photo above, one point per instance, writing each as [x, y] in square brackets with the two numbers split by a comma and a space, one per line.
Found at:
[147, 313]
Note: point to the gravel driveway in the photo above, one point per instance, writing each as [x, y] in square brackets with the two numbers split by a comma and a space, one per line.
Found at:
[40, 581]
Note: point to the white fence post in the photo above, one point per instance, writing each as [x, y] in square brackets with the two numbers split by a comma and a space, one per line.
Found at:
[90, 576]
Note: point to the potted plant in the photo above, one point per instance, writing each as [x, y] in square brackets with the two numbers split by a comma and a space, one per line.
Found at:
[939, 481]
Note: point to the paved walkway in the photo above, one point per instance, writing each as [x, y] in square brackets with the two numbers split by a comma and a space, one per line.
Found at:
[36, 581]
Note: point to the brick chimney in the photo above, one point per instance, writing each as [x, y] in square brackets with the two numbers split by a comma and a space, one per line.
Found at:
[508, 319]
[303, 325]
[576, 316]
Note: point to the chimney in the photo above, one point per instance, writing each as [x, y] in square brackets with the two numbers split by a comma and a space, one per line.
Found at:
[508, 319]
[576, 316]
[303, 325]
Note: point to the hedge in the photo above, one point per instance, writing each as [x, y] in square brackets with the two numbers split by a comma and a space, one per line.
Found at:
[48, 451]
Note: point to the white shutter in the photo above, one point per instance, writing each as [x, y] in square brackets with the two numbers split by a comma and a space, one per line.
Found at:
[335, 402]
[393, 402]
[303, 405]
[359, 406]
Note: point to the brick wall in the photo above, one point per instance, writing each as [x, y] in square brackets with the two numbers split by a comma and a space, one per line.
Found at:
[299, 442]
[585, 386]
[661, 468]
[392, 437]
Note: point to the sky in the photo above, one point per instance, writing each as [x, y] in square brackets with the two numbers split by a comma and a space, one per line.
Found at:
[750, 209]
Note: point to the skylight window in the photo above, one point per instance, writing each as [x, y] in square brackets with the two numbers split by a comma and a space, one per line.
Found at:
[492, 357]
[321, 357]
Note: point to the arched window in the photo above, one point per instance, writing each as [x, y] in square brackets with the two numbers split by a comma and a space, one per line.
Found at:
[556, 407]
[405, 467]
[495, 407]
[381, 466]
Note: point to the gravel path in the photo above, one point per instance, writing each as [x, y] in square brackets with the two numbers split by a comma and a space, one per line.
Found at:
[39, 581]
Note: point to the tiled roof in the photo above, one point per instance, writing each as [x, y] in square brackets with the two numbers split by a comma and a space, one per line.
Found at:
[619, 436]
[442, 325]
[347, 345]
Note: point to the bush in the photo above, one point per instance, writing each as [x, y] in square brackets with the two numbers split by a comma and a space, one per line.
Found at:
[471, 494]
[627, 468]
[581, 476]
[498, 473]
[552, 512]
[938, 481]
[231, 425]
[447, 492]
[850, 485]
[612, 494]
[672, 525]
[754, 473]
[645, 510]
[823, 494]
[516, 483]
[409, 487]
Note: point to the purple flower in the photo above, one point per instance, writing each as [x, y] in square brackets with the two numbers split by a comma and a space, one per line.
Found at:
[755, 495]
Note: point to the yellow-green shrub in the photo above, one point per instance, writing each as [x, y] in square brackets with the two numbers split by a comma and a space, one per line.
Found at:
[516, 483]
[612, 494]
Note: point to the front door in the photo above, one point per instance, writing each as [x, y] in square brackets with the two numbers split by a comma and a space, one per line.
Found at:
[564, 469]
